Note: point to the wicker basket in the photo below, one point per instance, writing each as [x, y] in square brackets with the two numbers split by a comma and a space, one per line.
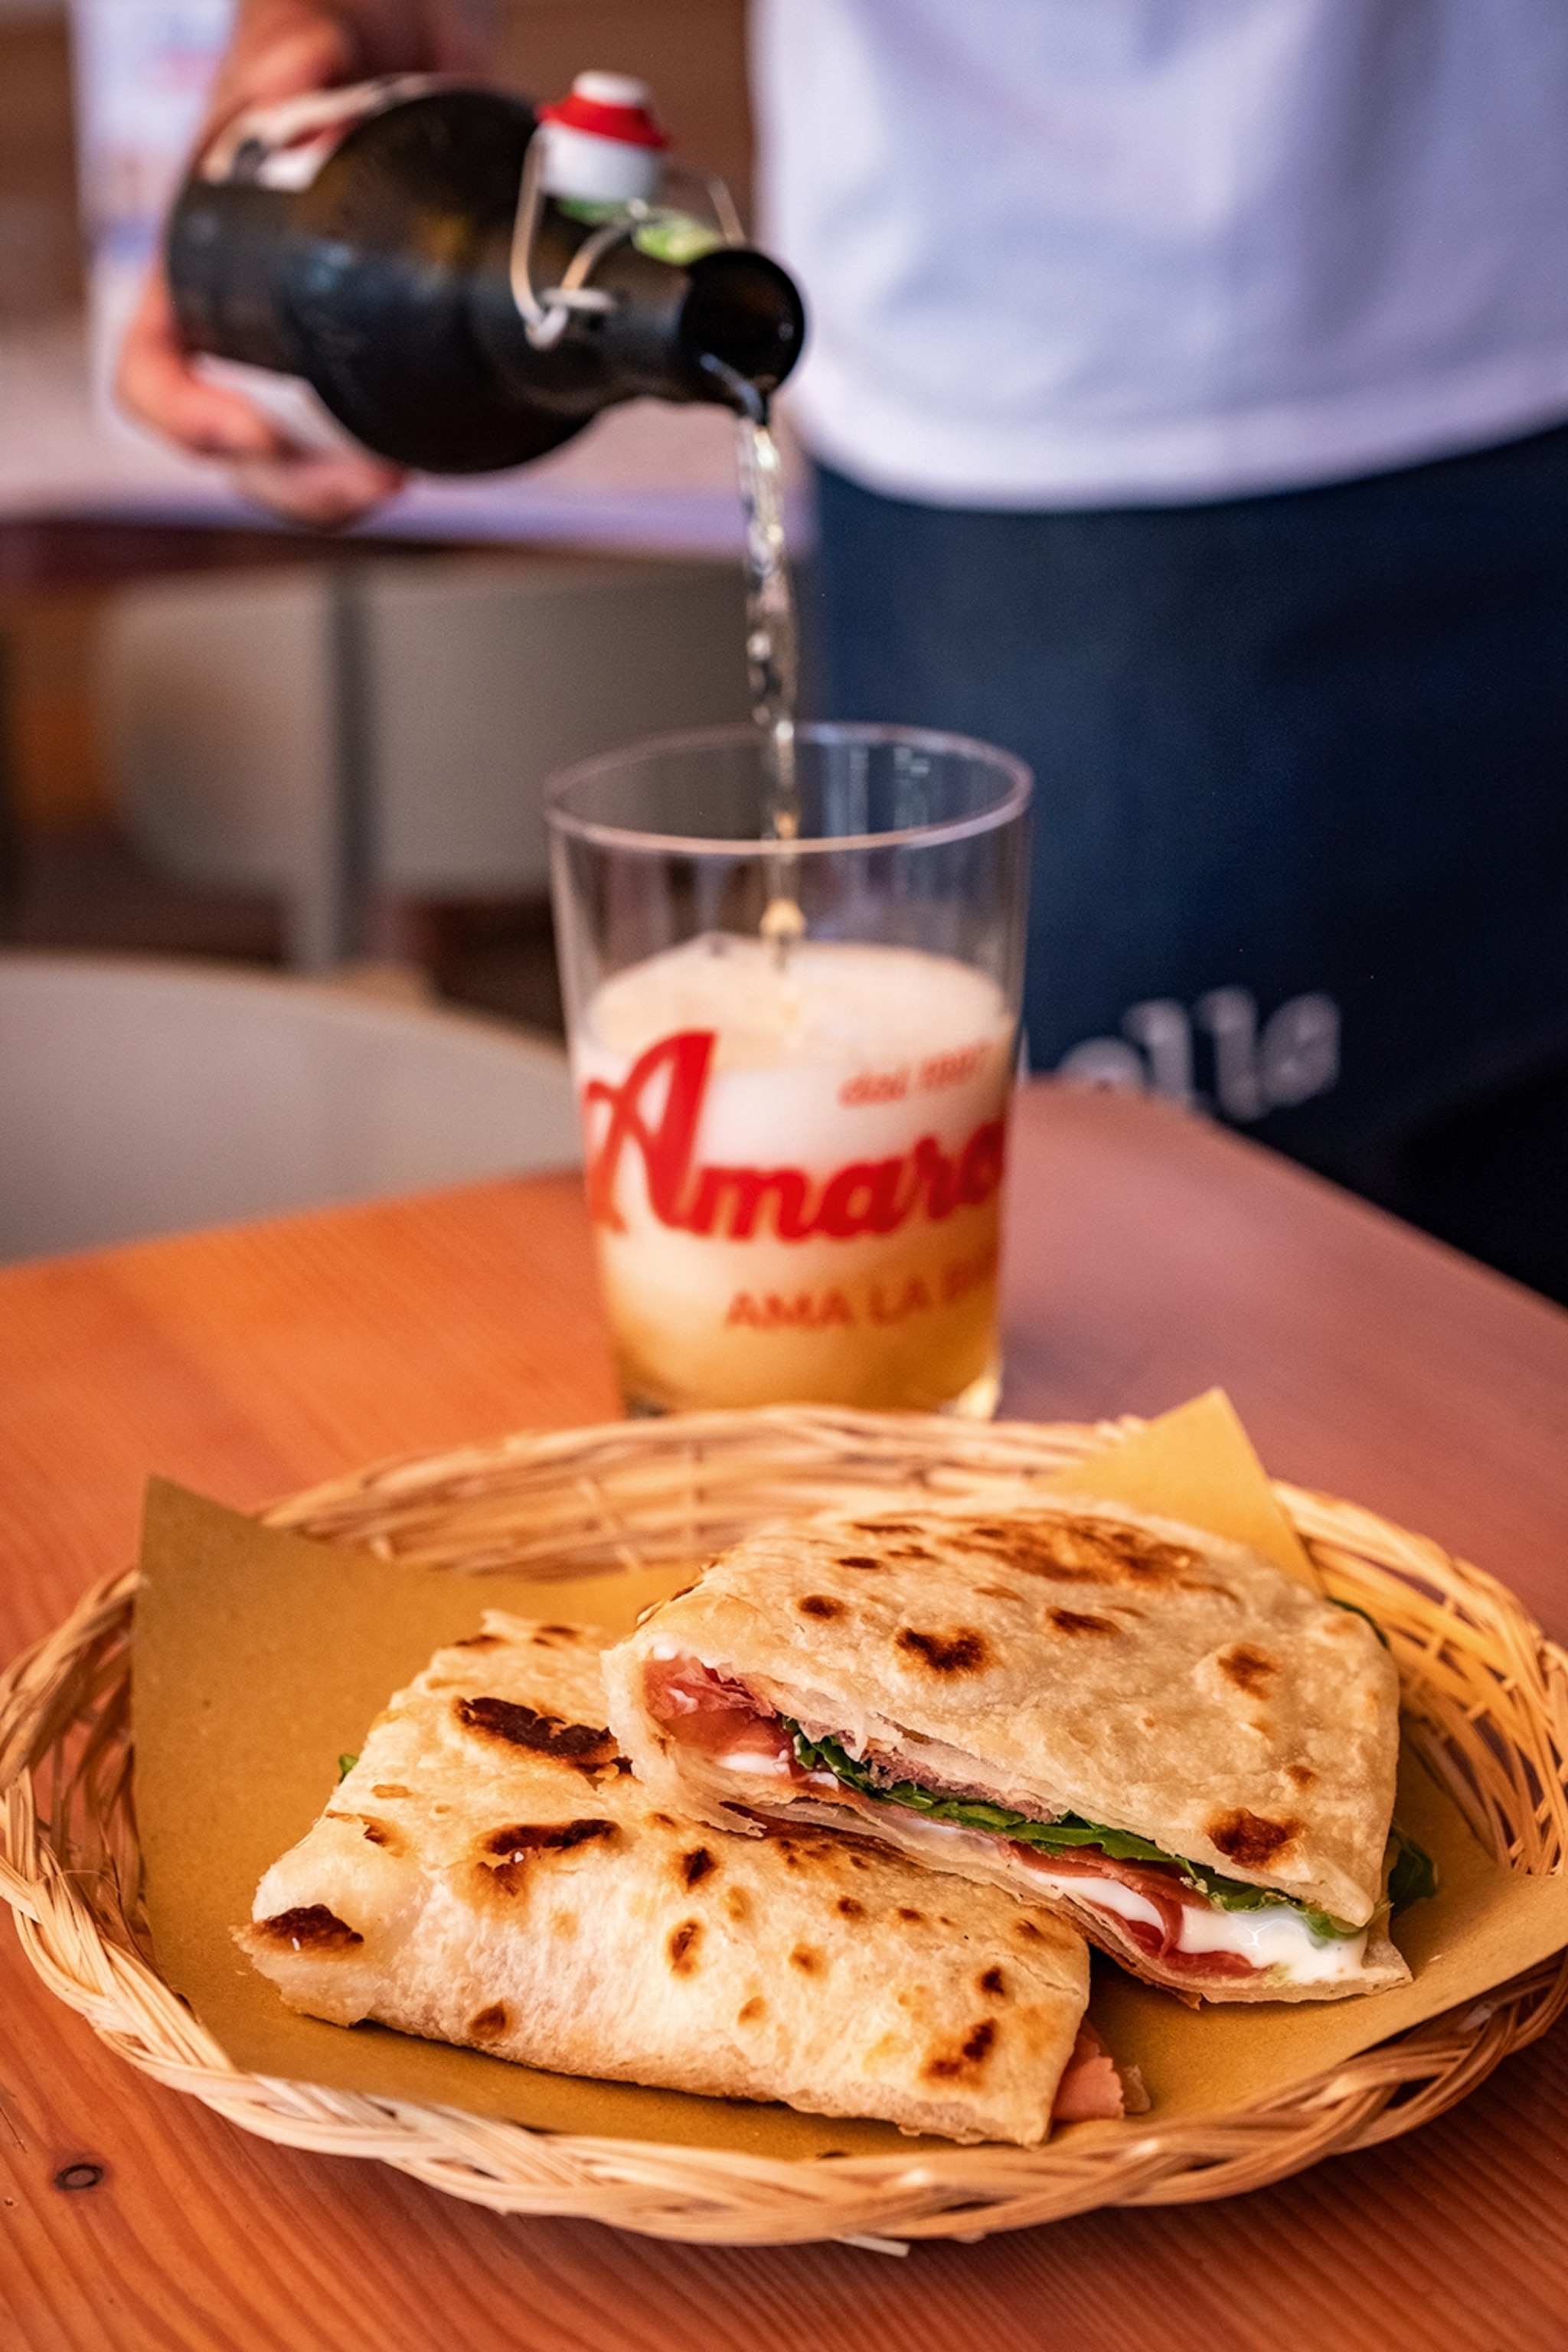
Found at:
[1485, 1702]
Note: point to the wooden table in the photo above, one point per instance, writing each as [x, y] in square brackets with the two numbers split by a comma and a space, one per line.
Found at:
[1150, 1255]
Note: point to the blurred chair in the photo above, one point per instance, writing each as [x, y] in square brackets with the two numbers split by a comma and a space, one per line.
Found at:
[140, 1097]
[382, 728]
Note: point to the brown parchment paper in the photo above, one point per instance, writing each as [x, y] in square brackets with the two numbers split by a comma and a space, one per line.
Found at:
[260, 1657]
[1197, 1464]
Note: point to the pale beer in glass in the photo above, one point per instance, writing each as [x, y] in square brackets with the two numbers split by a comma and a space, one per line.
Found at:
[795, 1148]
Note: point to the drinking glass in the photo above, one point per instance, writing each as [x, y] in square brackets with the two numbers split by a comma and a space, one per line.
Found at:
[795, 1152]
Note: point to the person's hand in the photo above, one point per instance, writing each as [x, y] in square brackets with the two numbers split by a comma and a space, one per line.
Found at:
[279, 49]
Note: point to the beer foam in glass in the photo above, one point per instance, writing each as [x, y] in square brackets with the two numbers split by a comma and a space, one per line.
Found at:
[794, 1157]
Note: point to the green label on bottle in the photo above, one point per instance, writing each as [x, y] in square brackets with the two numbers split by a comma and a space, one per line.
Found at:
[677, 238]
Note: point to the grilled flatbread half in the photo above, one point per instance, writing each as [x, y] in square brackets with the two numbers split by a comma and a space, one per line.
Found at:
[489, 1873]
[1180, 1750]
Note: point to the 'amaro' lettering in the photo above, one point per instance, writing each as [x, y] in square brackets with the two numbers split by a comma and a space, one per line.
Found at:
[657, 1108]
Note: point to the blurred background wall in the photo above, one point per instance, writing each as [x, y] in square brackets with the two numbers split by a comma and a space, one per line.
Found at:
[41, 261]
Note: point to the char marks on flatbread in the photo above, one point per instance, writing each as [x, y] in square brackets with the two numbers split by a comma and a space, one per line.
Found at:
[1049, 1658]
[488, 1874]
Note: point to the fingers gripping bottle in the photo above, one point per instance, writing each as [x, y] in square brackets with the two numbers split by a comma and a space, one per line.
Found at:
[465, 280]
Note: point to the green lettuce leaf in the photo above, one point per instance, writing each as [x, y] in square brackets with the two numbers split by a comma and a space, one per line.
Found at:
[1412, 1874]
[1050, 1837]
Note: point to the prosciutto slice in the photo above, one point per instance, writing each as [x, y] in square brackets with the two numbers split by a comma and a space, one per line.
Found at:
[717, 1718]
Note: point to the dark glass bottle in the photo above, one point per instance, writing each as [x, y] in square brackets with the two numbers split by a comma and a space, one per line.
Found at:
[369, 249]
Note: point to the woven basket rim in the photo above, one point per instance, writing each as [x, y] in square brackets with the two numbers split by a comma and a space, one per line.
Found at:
[410, 1503]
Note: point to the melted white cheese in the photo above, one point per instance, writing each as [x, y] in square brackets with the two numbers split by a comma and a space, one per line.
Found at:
[1273, 1936]
[1276, 1937]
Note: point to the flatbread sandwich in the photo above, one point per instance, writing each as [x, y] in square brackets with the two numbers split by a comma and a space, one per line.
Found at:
[487, 1873]
[1157, 1734]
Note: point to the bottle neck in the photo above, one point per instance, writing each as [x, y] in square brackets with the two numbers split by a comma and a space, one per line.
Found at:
[724, 328]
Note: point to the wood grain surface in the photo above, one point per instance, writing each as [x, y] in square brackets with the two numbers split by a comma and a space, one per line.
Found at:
[1149, 1255]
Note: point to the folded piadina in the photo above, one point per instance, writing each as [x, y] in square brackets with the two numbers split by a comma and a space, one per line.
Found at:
[489, 1873]
[1166, 1740]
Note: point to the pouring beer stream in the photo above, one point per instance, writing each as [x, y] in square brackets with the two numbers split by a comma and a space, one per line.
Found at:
[773, 646]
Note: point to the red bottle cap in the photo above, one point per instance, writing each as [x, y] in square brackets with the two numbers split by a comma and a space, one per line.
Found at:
[608, 106]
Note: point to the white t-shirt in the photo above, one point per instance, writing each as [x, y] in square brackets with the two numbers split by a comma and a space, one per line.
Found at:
[1092, 252]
